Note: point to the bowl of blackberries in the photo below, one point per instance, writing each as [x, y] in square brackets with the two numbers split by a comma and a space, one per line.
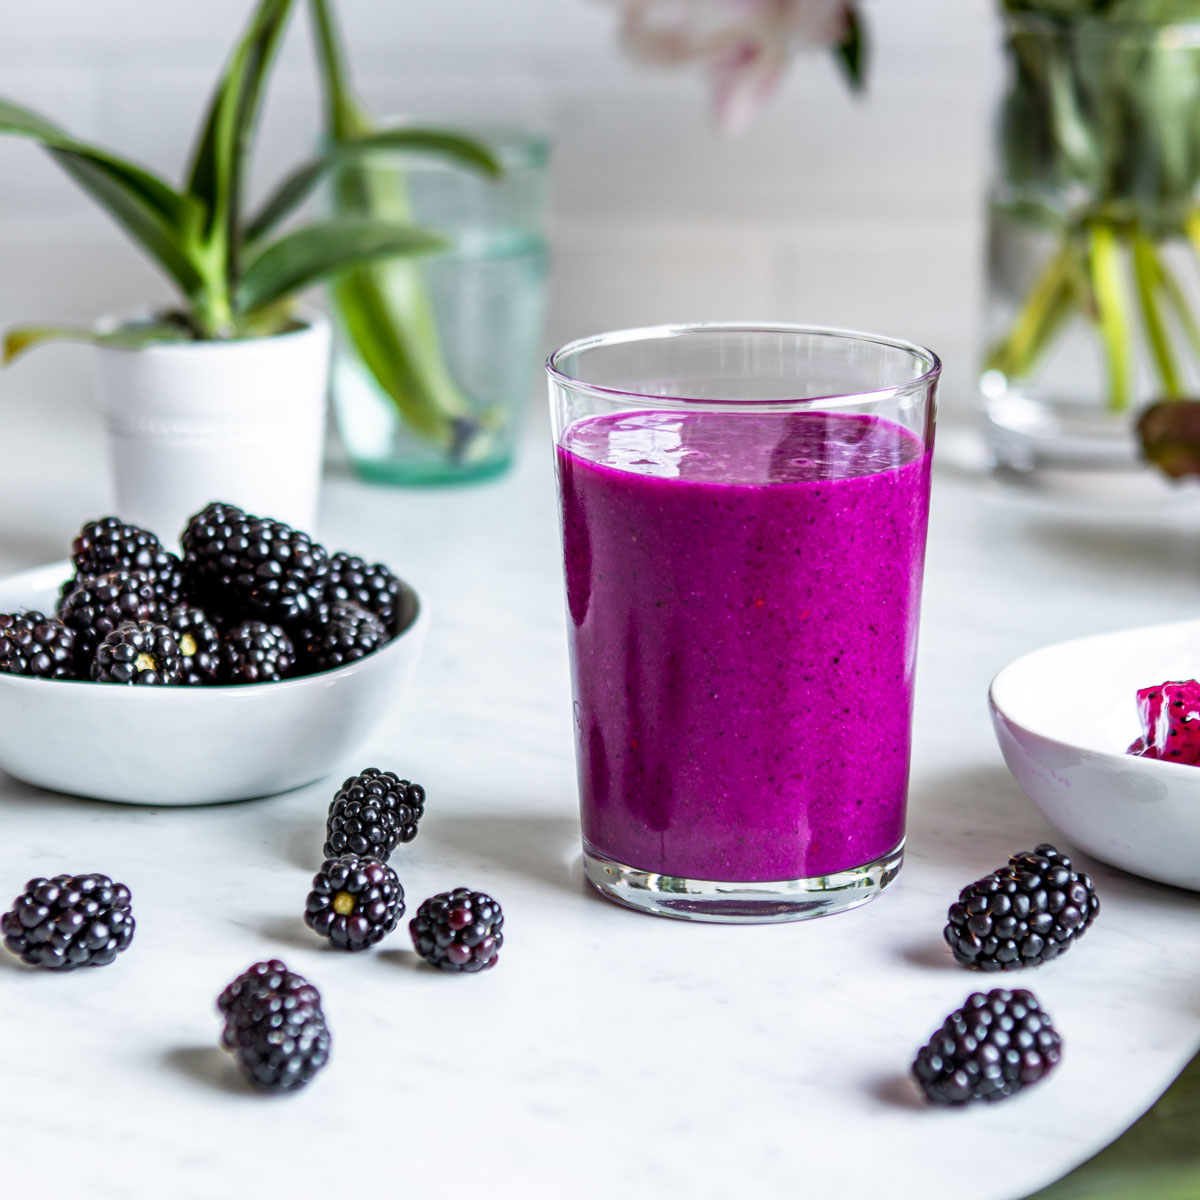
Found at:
[249, 663]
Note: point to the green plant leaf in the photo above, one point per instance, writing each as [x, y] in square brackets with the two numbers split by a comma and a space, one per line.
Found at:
[218, 162]
[1112, 316]
[1148, 276]
[384, 310]
[852, 50]
[345, 117]
[152, 212]
[1158, 1157]
[443, 143]
[323, 249]
[155, 194]
[127, 337]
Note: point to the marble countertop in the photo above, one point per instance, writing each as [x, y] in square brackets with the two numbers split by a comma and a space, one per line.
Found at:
[608, 1051]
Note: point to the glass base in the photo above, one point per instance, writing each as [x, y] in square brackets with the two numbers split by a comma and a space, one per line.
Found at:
[1026, 435]
[428, 473]
[740, 903]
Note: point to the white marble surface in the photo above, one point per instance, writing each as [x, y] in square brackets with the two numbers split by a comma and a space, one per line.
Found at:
[608, 1051]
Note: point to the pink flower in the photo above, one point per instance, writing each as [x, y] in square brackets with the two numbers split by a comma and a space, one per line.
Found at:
[745, 45]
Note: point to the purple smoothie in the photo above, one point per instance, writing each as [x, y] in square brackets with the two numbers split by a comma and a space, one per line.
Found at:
[743, 592]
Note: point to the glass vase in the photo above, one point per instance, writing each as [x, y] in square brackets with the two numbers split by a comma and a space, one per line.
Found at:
[1094, 232]
[435, 365]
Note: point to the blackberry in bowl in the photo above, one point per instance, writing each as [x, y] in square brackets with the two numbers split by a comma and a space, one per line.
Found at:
[111, 545]
[140, 652]
[257, 566]
[255, 652]
[94, 607]
[34, 644]
[370, 586]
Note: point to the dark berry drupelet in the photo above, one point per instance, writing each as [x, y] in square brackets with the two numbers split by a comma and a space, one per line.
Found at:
[253, 566]
[199, 644]
[34, 644]
[1024, 914]
[368, 585]
[275, 1026]
[992, 1047]
[139, 652]
[111, 545]
[69, 921]
[350, 633]
[255, 652]
[97, 606]
[372, 813]
[355, 901]
[458, 930]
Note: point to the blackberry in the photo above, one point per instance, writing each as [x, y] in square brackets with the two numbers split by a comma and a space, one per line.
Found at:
[254, 566]
[351, 633]
[199, 643]
[33, 644]
[111, 545]
[255, 652]
[139, 652]
[992, 1047]
[458, 930]
[355, 901]
[370, 586]
[275, 1026]
[372, 813]
[69, 921]
[97, 606]
[1024, 914]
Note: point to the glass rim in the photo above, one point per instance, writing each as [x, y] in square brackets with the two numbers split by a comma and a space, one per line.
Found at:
[654, 333]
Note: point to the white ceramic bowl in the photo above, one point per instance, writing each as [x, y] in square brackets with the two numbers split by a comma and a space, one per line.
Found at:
[190, 745]
[1064, 717]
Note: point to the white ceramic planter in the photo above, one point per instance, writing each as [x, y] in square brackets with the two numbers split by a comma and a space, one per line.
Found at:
[193, 422]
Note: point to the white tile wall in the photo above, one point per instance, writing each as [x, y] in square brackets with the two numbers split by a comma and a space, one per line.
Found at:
[852, 211]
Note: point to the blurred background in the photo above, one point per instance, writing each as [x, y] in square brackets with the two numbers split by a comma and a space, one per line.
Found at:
[860, 211]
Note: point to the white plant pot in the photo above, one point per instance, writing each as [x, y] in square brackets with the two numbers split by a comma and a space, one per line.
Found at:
[240, 421]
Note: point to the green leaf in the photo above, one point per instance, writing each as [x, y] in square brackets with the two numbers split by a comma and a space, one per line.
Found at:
[127, 337]
[155, 194]
[1148, 276]
[851, 51]
[218, 163]
[323, 249]
[385, 310]
[1158, 1157]
[152, 212]
[1112, 317]
[292, 191]
[345, 117]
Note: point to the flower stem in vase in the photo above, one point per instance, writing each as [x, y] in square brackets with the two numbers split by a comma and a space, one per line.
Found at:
[384, 310]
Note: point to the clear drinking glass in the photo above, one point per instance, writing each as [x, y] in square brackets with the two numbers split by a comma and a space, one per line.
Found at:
[743, 518]
[434, 366]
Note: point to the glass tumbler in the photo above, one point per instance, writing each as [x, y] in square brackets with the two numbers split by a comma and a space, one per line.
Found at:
[744, 510]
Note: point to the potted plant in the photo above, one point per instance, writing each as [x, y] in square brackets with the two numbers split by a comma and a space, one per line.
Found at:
[224, 395]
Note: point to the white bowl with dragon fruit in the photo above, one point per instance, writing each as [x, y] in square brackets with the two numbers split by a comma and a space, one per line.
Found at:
[1103, 735]
[252, 662]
